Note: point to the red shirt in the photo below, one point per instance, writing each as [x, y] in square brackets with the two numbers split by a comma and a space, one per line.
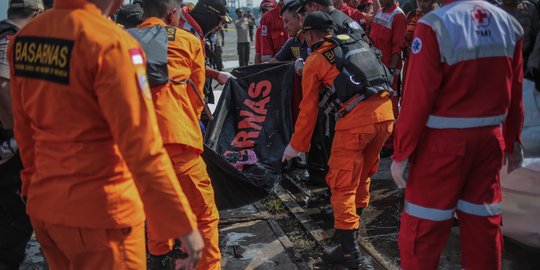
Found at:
[472, 73]
[388, 31]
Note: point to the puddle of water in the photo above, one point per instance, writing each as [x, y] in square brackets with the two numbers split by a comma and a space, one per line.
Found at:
[234, 238]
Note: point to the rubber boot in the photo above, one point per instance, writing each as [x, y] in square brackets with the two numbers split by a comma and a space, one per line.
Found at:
[347, 253]
[161, 262]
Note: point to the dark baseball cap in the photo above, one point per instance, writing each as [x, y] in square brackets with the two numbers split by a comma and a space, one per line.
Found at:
[31, 4]
[217, 6]
[293, 5]
[317, 21]
[303, 3]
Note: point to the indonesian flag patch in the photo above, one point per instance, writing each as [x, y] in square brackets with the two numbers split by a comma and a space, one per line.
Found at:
[140, 70]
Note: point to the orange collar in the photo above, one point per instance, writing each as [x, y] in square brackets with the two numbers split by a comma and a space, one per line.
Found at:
[152, 21]
[77, 4]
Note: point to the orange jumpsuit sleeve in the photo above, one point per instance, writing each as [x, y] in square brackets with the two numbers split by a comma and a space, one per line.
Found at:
[127, 108]
[313, 74]
[24, 135]
[198, 77]
[399, 31]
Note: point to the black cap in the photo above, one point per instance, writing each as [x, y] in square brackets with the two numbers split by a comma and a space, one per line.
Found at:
[317, 21]
[303, 3]
[217, 6]
[293, 5]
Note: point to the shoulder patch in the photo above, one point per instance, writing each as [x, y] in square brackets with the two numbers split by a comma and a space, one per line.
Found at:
[330, 56]
[264, 31]
[416, 45]
[140, 71]
[171, 33]
[354, 25]
[43, 58]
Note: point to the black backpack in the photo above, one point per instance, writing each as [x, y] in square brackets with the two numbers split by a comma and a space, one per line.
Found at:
[154, 41]
[362, 74]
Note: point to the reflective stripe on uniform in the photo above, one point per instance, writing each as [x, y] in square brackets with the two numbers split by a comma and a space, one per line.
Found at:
[428, 213]
[464, 122]
[265, 58]
[386, 20]
[483, 210]
[471, 41]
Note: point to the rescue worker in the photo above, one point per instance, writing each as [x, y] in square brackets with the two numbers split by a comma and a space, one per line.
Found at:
[130, 15]
[358, 139]
[353, 13]
[265, 6]
[343, 24]
[178, 105]
[87, 133]
[273, 34]
[15, 227]
[387, 32]
[317, 158]
[454, 137]
[207, 17]
[296, 47]
[424, 6]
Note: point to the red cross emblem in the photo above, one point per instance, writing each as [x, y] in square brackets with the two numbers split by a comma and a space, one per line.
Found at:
[481, 17]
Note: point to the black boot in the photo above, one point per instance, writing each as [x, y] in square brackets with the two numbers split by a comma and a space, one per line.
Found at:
[161, 262]
[347, 253]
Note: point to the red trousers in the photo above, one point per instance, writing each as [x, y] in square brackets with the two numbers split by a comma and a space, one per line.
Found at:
[354, 158]
[70, 248]
[195, 182]
[454, 170]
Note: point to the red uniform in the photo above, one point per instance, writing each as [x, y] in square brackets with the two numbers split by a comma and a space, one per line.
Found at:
[411, 25]
[462, 108]
[272, 33]
[388, 31]
[356, 15]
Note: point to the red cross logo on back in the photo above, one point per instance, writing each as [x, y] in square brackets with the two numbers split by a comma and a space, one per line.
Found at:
[481, 17]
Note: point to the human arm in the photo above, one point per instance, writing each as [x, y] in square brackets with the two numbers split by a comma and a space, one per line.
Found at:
[514, 119]
[315, 69]
[424, 78]
[399, 32]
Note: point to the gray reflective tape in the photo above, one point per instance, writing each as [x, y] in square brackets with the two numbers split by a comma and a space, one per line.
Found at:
[387, 22]
[464, 122]
[355, 51]
[468, 41]
[428, 213]
[483, 210]
[265, 58]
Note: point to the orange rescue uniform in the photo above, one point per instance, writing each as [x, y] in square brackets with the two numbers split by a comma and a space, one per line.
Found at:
[358, 138]
[178, 111]
[89, 142]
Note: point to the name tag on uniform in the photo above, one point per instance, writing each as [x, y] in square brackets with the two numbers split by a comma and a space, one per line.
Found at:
[43, 58]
